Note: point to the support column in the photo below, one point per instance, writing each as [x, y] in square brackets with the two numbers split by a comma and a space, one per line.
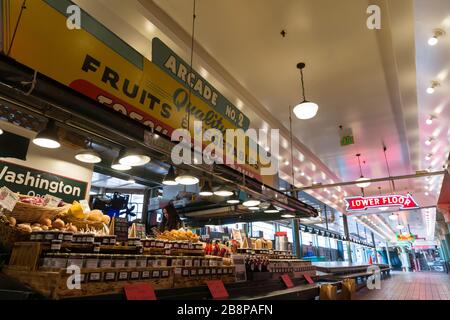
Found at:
[374, 247]
[296, 238]
[347, 238]
[387, 254]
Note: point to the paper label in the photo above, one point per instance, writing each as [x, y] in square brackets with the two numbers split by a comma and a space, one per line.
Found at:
[8, 199]
[51, 201]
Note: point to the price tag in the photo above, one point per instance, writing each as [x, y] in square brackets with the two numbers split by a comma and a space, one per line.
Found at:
[287, 281]
[85, 206]
[139, 291]
[217, 289]
[145, 274]
[308, 278]
[51, 201]
[8, 199]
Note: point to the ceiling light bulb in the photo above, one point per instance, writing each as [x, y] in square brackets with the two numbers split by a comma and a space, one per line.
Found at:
[429, 121]
[427, 193]
[433, 41]
[428, 157]
[286, 163]
[362, 183]
[393, 217]
[186, 180]
[223, 193]
[430, 90]
[428, 141]
[88, 156]
[206, 190]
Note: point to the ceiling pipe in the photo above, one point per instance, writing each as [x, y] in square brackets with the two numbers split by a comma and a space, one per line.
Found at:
[349, 183]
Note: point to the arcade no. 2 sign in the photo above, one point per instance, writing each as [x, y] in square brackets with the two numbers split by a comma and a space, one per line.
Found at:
[361, 203]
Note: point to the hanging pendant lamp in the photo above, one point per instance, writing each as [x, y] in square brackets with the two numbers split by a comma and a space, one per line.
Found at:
[306, 109]
[362, 181]
[271, 209]
[234, 199]
[206, 190]
[48, 138]
[169, 179]
[88, 155]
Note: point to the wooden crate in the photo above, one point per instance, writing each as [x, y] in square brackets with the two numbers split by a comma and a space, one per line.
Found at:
[53, 284]
[26, 255]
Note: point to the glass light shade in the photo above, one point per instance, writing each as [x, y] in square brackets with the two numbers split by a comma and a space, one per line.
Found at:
[88, 156]
[306, 110]
[251, 203]
[186, 180]
[134, 160]
[169, 179]
[119, 167]
[48, 138]
[223, 193]
[271, 209]
[433, 41]
[362, 183]
[46, 143]
[393, 217]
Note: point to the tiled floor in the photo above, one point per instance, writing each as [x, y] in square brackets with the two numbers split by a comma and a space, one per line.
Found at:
[410, 286]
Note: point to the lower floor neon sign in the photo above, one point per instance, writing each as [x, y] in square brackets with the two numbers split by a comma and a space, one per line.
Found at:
[361, 203]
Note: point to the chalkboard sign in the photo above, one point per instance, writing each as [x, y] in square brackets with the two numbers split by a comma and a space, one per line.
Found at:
[121, 229]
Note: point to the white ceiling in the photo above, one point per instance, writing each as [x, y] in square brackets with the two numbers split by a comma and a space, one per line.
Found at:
[362, 79]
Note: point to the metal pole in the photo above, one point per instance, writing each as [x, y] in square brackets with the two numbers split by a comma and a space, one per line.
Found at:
[296, 238]
[387, 254]
[347, 238]
[349, 183]
[374, 247]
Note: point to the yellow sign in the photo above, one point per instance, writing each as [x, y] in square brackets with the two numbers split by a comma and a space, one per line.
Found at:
[98, 64]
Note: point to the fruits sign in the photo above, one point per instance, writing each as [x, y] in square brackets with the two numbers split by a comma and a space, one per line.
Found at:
[361, 203]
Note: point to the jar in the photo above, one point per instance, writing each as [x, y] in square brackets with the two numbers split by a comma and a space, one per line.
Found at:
[89, 238]
[131, 261]
[198, 246]
[49, 236]
[97, 246]
[55, 245]
[141, 261]
[119, 261]
[112, 240]
[188, 262]
[196, 262]
[91, 261]
[78, 238]
[168, 245]
[177, 262]
[133, 242]
[67, 236]
[105, 261]
[60, 261]
[176, 245]
[151, 261]
[75, 260]
[204, 262]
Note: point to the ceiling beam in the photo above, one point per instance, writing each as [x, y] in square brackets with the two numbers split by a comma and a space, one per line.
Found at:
[340, 184]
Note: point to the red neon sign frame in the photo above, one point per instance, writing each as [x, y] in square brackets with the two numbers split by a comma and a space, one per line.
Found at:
[361, 203]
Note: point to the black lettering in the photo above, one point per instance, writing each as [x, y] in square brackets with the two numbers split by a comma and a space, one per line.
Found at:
[111, 76]
[90, 64]
[143, 97]
[165, 110]
[133, 94]
[153, 100]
